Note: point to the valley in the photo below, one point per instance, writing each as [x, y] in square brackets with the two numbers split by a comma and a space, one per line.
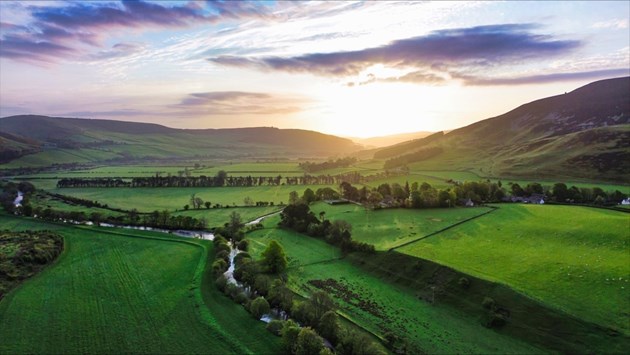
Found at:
[436, 245]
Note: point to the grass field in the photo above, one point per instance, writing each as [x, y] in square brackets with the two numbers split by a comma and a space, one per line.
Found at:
[576, 259]
[150, 199]
[119, 292]
[428, 328]
[216, 217]
[389, 228]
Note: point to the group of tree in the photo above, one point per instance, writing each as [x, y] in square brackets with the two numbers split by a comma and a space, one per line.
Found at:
[222, 180]
[300, 218]
[10, 192]
[312, 167]
[263, 289]
[560, 192]
[30, 252]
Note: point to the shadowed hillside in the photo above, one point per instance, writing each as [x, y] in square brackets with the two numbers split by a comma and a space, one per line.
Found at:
[42, 140]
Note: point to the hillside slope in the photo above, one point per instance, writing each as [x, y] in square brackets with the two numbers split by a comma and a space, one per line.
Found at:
[583, 134]
[42, 140]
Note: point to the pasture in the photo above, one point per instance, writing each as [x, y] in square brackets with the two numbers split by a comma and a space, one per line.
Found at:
[123, 292]
[150, 199]
[427, 328]
[388, 228]
[572, 258]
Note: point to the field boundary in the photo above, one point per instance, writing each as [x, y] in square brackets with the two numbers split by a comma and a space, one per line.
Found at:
[492, 209]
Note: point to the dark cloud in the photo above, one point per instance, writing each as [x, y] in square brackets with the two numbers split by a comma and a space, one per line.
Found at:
[32, 50]
[57, 31]
[545, 78]
[476, 46]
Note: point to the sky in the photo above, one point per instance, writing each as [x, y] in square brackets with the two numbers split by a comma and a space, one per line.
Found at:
[355, 69]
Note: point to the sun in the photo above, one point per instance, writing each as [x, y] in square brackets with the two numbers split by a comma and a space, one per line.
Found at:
[378, 109]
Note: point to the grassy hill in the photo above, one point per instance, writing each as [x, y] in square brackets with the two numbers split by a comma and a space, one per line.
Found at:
[582, 134]
[42, 140]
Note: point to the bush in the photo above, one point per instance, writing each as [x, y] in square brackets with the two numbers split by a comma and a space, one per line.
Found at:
[241, 298]
[488, 303]
[221, 283]
[275, 327]
[259, 307]
[243, 245]
[464, 282]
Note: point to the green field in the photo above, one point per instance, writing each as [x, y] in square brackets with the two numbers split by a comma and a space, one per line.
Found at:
[216, 217]
[427, 328]
[388, 228]
[124, 292]
[150, 199]
[576, 259]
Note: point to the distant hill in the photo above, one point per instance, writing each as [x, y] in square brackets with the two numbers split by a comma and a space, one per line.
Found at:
[384, 141]
[582, 134]
[43, 140]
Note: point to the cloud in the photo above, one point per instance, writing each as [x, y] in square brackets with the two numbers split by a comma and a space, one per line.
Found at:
[57, 32]
[237, 103]
[544, 78]
[119, 50]
[614, 23]
[32, 50]
[481, 46]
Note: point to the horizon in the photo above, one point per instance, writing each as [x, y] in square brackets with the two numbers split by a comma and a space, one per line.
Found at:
[355, 70]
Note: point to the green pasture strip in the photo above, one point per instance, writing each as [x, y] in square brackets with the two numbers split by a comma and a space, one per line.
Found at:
[389, 228]
[217, 217]
[573, 258]
[147, 199]
[109, 293]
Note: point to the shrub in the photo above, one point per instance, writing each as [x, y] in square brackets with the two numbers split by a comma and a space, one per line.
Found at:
[488, 303]
[259, 307]
[275, 327]
[464, 282]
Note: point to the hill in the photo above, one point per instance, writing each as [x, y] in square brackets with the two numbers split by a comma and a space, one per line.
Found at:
[582, 134]
[42, 140]
[384, 141]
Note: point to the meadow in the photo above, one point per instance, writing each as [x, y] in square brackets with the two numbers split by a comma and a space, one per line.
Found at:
[427, 328]
[389, 228]
[122, 292]
[572, 258]
[150, 199]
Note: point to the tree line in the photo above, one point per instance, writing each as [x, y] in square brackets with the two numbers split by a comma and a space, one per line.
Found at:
[223, 181]
[312, 167]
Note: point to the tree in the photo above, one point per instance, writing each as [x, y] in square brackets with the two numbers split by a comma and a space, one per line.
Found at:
[274, 258]
[208, 204]
[329, 326]
[560, 192]
[294, 198]
[235, 223]
[259, 307]
[248, 201]
[198, 202]
[290, 333]
[308, 342]
[309, 196]
[321, 303]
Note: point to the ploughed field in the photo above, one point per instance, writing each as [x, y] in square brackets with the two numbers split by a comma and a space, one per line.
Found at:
[125, 291]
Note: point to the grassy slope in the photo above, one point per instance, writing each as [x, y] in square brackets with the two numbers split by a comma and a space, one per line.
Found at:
[391, 227]
[434, 329]
[110, 294]
[573, 258]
